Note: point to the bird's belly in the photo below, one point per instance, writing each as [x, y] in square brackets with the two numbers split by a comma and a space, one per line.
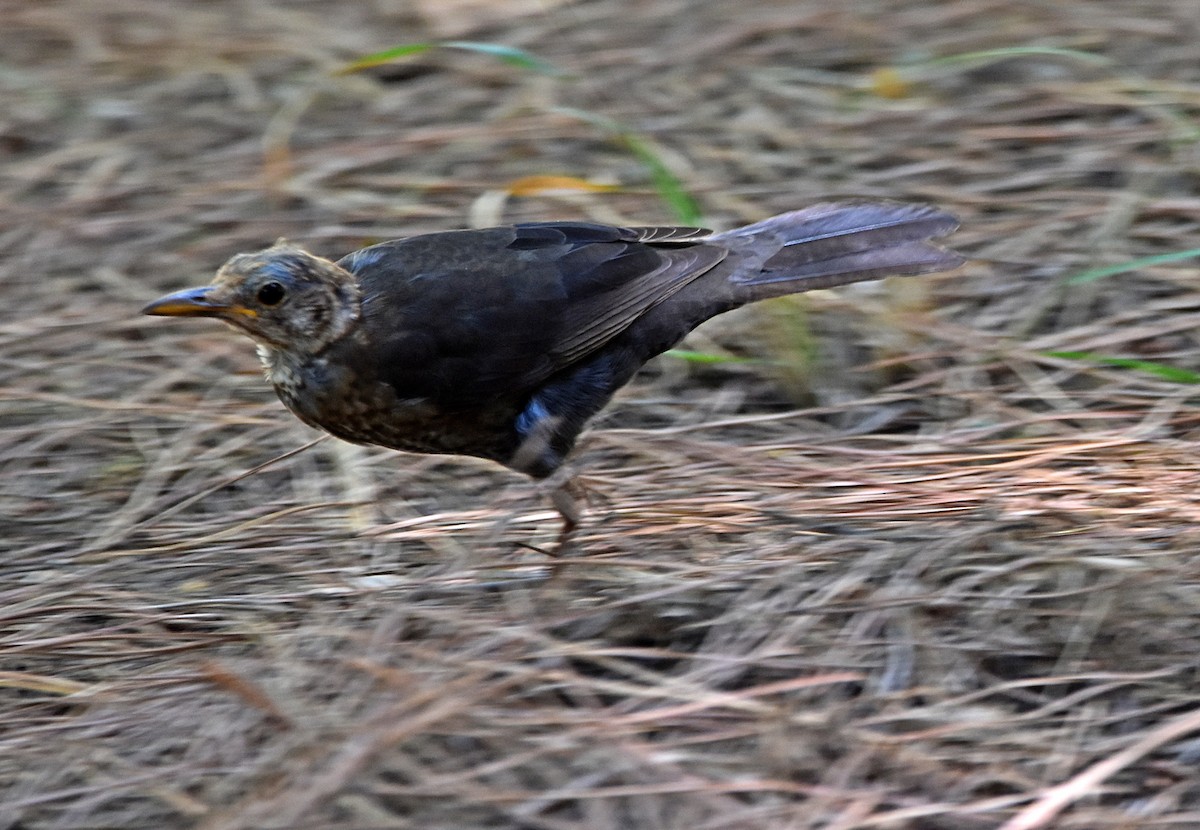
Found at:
[372, 413]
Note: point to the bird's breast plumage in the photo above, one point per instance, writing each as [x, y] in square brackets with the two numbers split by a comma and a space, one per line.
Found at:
[347, 399]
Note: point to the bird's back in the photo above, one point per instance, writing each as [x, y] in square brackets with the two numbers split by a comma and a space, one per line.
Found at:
[468, 316]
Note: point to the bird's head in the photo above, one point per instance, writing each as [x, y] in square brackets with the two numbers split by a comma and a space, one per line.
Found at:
[283, 297]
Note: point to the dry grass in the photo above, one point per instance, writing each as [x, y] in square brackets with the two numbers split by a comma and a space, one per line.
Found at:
[924, 576]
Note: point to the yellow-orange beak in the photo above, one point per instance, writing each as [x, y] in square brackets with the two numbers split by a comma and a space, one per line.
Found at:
[194, 302]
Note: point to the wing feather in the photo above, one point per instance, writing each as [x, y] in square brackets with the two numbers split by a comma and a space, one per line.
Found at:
[593, 322]
[462, 315]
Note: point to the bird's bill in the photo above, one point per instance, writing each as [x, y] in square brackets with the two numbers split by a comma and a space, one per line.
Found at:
[195, 302]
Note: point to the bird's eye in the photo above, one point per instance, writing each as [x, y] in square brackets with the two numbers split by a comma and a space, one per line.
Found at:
[270, 294]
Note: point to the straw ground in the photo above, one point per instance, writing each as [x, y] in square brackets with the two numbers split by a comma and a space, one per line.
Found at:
[906, 566]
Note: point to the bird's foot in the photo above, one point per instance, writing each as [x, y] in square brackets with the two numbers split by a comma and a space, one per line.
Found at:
[567, 498]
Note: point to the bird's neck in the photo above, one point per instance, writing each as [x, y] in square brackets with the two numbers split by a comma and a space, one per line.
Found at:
[282, 369]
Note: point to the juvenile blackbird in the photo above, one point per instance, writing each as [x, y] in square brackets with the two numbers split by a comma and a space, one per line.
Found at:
[502, 343]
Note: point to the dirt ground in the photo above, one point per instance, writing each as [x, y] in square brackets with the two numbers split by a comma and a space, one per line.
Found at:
[905, 567]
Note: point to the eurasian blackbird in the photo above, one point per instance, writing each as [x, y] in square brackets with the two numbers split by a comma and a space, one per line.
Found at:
[502, 343]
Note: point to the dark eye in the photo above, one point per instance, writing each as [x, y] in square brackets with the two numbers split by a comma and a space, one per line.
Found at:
[270, 294]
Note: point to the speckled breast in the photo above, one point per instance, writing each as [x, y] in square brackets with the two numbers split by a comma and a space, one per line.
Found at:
[369, 412]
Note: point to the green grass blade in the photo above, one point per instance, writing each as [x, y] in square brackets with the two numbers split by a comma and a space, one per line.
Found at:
[1004, 53]
[1171, 373]
[508, 54]
[1133, 265]
[669, 188]
[707, 358]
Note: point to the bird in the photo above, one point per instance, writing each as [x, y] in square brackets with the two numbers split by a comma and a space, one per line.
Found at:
[502, 343]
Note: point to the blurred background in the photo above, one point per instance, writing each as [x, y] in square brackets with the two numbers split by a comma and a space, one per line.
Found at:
[908, 554]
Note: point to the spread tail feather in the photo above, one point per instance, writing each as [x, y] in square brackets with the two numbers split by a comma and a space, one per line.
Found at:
[834, 244]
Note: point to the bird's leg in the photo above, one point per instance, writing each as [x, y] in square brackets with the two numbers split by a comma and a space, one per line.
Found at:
[538, 456]
[566, 497]
[565, 493]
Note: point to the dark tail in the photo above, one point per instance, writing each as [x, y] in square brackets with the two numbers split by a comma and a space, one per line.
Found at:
[837, 243]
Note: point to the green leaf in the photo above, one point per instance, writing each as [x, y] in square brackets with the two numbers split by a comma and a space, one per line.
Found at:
[1132, 265]
[669, 188]
[508, 54]
[1171, 373]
